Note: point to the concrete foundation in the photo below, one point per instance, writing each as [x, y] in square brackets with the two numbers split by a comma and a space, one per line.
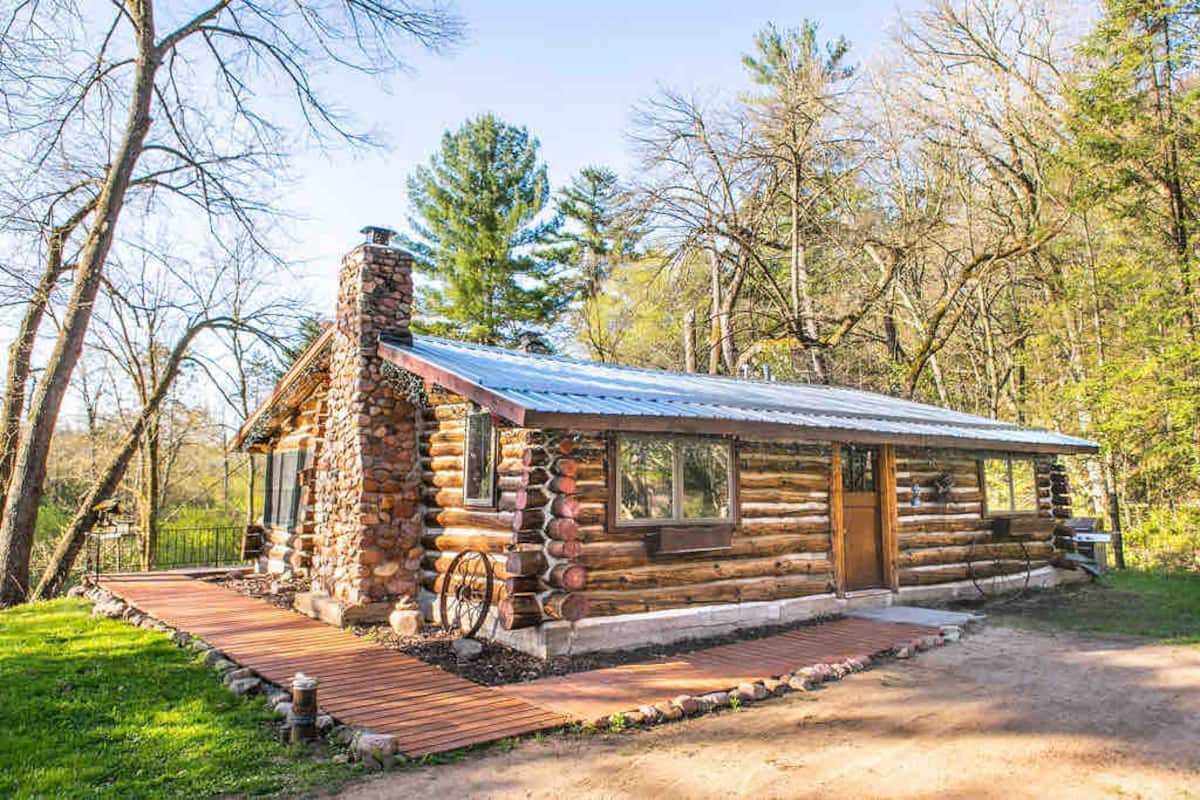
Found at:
[319, 605]
[679, 624]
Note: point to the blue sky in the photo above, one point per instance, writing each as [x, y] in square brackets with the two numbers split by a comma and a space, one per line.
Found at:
[568, 71]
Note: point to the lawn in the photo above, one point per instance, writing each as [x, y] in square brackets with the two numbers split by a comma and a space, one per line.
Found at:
[98, 708]
[1162, 606]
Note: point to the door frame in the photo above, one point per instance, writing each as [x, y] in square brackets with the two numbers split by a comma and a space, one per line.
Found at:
[889, 540]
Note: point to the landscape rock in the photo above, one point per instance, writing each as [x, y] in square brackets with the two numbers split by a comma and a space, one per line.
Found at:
[466, 649]
[244, 686]
[634, 718]
[199, 645]
[76, 591]
[688, 704]
[238, 674]
[717, 699]
[747, 692]
[407, 622]
[325, 722]
[902, 651]
[649, 714]
[951, 633]
[375, 750]
[668, 712]
[211, 657]
[800, 683]
[282, 710]
[181, 638]
[773, 686]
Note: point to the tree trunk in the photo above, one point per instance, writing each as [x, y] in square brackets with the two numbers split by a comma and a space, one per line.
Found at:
[29, 470]
[689, 341]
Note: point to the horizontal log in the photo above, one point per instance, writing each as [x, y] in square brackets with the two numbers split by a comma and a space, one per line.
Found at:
[752, 462]
[767, 485]
[447, 434]
[443, 479]
[678, 573]
[565, 507]
[568, 549]
[512, 483]
[811, 523]
[476, 518]
[619, 555]
[567, 576]
[442, 463]
[783, 509]
[459, 539]
[726, 591]
[440, 561]
[941, 522]
[946, 573]
[441, 449]
[588, 471]
[563, 529]
[519, 611]
[434, 581]
[566, 606]
[915, 541]
[929, 509]
[783, 495]
[525, 562]
[974, 553]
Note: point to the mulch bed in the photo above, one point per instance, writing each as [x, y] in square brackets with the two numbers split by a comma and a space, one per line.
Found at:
[496, 665]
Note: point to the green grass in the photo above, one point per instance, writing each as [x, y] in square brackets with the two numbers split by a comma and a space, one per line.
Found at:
[98, 708]
[1160, 605]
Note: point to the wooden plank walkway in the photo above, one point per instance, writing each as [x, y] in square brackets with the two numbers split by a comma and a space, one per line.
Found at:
[427, 709]
[599, 693]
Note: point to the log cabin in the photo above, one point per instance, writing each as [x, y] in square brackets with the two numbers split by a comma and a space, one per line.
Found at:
[620, 506]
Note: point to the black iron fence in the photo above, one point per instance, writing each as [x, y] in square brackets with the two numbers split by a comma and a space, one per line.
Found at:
[176, 548]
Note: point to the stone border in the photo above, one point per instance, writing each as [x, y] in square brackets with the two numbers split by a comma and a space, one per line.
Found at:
[374, 750]
[378, 751]
[801, 680]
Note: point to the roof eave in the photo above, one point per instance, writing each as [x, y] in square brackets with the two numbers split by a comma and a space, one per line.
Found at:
[777, 430]
[293, 374]
[493, 401]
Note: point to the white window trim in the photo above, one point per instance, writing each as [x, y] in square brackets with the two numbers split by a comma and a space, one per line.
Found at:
[675, 520]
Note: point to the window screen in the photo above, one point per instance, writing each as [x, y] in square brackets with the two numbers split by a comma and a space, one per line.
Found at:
[479, 460]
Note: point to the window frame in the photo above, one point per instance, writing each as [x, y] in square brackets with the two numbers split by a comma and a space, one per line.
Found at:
[1012, 511]
[675, 520]
[490, 479]
[274, 493]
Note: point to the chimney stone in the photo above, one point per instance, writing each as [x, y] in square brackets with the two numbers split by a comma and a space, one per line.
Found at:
[367, 491]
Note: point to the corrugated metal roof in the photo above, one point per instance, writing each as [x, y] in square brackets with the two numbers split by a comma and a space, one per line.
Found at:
[555, 385]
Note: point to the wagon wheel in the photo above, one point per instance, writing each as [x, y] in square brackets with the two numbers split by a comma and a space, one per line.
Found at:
[469, 582]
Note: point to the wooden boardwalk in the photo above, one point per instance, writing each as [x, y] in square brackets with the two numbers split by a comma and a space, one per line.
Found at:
[427, 709]
[599, 693]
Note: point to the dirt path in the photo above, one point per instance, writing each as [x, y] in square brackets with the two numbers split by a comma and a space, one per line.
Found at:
[1005, 713]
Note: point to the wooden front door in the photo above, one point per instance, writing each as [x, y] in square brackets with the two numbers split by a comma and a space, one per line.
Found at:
[860, 517]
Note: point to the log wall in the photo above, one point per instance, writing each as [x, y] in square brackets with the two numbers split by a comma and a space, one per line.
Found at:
[948, 538]
[290, 549]
[780, 547]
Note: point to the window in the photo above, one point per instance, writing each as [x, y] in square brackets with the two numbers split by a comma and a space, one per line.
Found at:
[1010, 485]
[858, 469]
[673, 480]
[282, 497]
[479, 460]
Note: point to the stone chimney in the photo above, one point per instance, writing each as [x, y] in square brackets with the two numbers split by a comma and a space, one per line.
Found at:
[367, 550]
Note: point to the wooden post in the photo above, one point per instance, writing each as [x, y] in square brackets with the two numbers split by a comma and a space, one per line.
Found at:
[837, 531]
[890, 518]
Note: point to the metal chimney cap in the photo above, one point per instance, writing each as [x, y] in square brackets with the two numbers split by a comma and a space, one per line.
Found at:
[377, 234]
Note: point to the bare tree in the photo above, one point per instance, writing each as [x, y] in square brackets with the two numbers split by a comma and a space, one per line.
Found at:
[129, 104]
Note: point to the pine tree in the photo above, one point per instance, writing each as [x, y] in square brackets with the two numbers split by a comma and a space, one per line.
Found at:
[477, 235]
[598, 231]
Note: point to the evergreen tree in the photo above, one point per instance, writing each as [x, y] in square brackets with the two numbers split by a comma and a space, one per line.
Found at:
[477, 235]
[598, 232]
